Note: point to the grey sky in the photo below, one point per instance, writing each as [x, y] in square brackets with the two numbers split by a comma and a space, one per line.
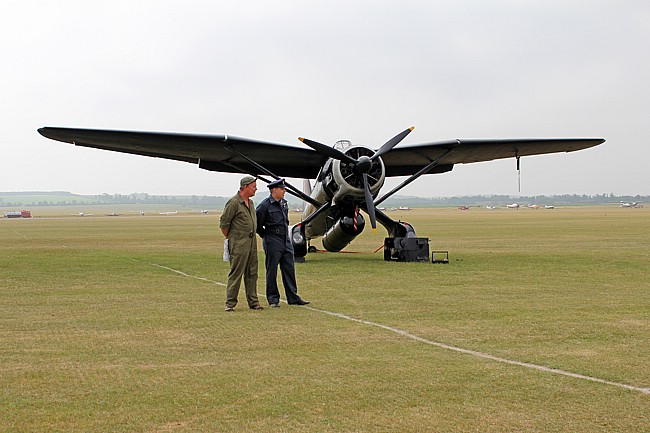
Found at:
[327, 70]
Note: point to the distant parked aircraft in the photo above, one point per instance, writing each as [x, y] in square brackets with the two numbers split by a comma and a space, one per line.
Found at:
[631, 204]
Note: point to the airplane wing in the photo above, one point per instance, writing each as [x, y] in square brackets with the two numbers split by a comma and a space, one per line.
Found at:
[407, 160]
[231, 154]
[211, 152]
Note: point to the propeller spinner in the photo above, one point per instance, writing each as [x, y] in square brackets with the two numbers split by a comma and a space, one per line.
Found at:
[361, 165]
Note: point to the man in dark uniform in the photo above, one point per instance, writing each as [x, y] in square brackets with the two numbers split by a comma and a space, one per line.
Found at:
[273, 227]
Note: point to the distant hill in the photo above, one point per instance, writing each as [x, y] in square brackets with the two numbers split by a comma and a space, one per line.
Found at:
[63, 198]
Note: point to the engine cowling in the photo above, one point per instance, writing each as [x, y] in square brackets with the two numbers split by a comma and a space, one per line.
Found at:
[350, 182]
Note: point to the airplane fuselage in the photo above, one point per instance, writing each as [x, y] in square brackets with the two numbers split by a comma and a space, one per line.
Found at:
[339, 184]
[340, 188]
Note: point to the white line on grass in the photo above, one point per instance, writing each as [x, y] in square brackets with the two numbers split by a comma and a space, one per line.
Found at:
[446, 346]
[481, 354]
[424, 340]
[187, 275]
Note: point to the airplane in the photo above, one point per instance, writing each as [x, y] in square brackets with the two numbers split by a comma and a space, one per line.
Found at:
[348, 177]
[549, 206]
[513, 206]
[631, 204]
[490, 207]
[463, 207]
[533, 206]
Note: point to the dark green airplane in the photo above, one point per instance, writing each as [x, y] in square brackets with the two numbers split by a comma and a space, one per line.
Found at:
[348, 177]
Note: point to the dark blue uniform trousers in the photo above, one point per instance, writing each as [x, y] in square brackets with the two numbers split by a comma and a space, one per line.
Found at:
[278, 252]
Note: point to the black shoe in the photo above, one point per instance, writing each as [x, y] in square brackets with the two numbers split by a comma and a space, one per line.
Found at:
[300, 302]
[256, 307]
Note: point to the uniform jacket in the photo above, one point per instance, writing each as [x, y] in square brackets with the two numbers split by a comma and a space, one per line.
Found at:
[273, 218]
[241, 222]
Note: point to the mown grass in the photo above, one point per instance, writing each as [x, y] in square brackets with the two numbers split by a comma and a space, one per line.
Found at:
[94, 337]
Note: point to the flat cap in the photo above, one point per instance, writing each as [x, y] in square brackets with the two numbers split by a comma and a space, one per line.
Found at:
[277, 184]
[246, 180]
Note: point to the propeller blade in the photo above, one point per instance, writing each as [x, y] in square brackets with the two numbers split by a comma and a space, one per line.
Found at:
[392, 143]
[327, 150]
[370, 205]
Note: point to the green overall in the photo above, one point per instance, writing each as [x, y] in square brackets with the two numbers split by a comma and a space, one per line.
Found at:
[241, 222]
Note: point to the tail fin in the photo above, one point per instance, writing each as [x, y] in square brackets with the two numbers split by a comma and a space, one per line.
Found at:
[306, 188]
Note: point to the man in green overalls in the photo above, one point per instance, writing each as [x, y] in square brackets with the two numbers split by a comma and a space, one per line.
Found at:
[238, 224]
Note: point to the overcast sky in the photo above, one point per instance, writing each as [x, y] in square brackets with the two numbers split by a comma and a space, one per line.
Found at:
[327, 70]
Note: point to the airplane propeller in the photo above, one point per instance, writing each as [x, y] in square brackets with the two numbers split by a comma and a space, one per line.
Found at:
[362, 165]
[370, 205]
[392, 143]
[328, 151]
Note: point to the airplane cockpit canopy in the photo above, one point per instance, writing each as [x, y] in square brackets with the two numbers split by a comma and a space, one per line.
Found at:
[343, 145]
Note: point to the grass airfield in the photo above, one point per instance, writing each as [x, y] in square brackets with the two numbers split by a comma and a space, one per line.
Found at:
[117, 324]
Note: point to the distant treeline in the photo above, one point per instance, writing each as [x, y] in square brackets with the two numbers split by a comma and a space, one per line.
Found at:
[61, 198]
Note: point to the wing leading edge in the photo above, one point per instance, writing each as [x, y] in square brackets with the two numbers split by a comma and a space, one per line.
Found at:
[227, 153]
[407, 160]
[211, 152]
